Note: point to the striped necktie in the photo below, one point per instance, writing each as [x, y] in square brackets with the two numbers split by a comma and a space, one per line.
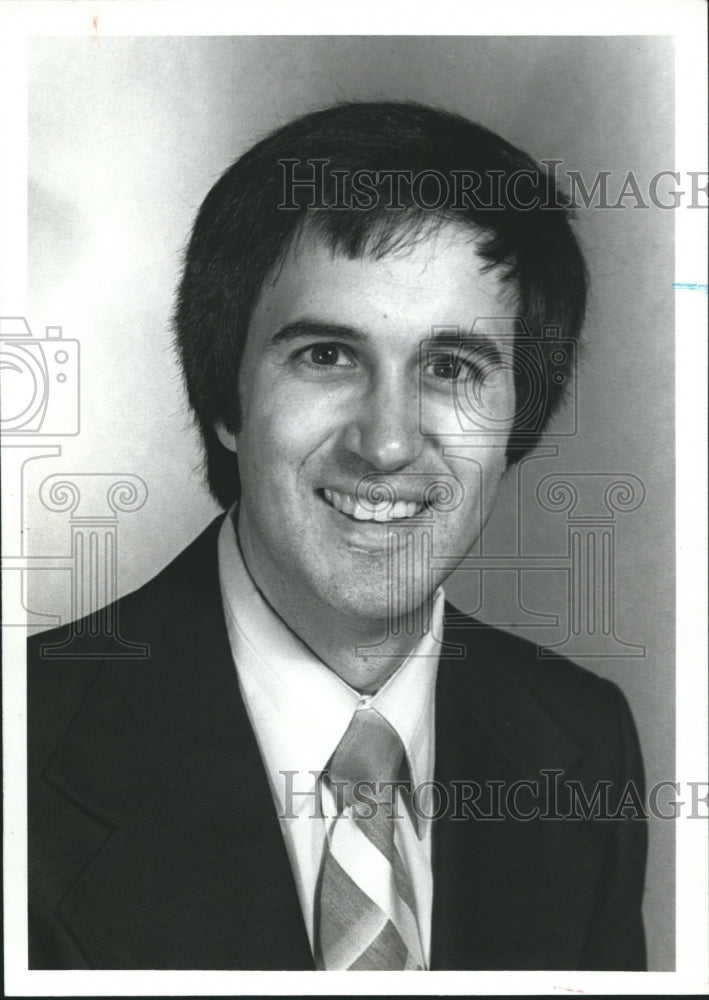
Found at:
[366, 914]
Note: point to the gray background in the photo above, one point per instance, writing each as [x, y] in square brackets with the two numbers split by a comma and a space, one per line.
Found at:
[125, 138]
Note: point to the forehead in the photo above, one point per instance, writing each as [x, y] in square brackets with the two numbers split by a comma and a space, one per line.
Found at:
[436, 279]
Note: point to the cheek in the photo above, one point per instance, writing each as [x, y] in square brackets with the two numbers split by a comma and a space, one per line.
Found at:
[470, 411]
[280, 432]
[493, 480]
[479, 476]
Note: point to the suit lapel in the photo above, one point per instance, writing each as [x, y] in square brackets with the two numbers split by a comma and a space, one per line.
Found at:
[508, 893]
[193, 872]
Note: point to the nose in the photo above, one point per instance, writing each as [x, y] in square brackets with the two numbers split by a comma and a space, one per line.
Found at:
[385, 430]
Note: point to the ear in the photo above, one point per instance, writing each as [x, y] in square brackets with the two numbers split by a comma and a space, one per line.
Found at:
[227, 438]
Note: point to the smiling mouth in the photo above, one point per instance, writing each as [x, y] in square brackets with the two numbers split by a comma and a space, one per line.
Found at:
[383, 512]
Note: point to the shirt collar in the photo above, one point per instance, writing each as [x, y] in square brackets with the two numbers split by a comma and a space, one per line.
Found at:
[299, 708]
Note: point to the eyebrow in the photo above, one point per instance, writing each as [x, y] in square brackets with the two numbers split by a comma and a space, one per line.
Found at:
[483, 346]
[304, 328]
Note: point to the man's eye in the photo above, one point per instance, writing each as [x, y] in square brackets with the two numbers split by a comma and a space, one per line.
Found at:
[446, 366]
[450, 366]
[327, 356]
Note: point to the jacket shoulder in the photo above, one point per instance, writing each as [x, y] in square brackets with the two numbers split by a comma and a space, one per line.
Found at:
[63, 663]
[507, 666]
[192, 567]
[488, 645]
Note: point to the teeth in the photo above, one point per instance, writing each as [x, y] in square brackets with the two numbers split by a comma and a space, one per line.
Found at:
[383, 512]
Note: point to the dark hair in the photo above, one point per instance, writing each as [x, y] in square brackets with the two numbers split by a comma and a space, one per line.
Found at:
[447, 169]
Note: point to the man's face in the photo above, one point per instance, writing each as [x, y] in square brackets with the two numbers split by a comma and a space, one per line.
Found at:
[339, 399]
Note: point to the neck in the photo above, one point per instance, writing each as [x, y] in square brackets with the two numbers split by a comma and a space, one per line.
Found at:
[361, 654]
[364, 654]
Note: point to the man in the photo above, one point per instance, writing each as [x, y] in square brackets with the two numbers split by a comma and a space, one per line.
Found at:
[318, 765]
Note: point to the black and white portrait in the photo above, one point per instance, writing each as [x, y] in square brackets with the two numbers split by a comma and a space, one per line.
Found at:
[343, 421]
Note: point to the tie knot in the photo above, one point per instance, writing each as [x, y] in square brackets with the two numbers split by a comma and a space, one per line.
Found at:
[370, 750]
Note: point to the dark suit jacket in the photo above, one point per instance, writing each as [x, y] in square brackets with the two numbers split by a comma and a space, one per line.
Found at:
[154, 841]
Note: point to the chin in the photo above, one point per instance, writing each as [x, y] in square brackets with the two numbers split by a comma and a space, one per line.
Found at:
[380, 600]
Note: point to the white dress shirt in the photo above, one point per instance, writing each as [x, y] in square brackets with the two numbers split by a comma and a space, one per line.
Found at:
[300, 709]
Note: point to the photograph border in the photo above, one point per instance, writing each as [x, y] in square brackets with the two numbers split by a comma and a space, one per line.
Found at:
[686, 21]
